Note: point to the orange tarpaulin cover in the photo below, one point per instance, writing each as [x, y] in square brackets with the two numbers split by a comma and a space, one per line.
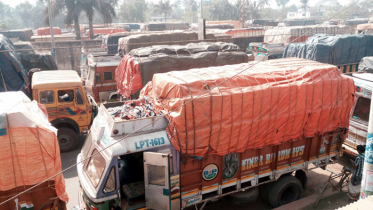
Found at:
[29, 151]
[128, 76]
[269, 103]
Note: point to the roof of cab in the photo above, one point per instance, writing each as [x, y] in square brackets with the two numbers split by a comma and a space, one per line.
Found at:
[55, 79]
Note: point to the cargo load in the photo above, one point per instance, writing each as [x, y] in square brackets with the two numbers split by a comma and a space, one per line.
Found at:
[333, 49]
[136, 69]
[366, 65]
[29, 153]
[13, 76]
[126, 44]
[294, 34]
[47, 31]
[166, 26]
[267, 103]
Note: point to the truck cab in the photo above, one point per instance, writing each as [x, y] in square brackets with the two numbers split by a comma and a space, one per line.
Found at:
[360, 116]
[135, 167]
[69, 108]
[100, 82]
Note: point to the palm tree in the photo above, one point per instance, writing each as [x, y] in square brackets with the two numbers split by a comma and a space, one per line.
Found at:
[163, 7]
[105, 7]
[73, 10]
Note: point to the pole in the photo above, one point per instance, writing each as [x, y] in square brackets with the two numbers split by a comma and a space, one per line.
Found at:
[51, 29]
[201, 10]
[367, 180]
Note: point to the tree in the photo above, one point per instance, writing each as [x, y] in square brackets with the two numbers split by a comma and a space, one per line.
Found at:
[132, 11]
[163, 7]
[105, 7]
[72, 9]
[304, 4]
[191, 8]
[282, 3]
[25, 12]
[223, 10]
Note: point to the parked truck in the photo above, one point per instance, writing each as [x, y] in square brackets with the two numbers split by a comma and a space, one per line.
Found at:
[100, 82]
[69, 108]
[360, 116]
[274, 123]
[29, 155]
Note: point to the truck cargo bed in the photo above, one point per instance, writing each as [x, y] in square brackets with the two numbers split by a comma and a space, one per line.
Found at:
[123, 127]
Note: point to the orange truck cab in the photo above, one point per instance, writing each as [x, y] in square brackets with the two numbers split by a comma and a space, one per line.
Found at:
[69, 109]
[100, 81]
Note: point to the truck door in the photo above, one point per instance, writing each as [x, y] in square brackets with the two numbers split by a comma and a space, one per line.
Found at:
[157, 180]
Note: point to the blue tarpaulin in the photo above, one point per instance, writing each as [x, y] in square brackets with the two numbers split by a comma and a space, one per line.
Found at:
[333, 49]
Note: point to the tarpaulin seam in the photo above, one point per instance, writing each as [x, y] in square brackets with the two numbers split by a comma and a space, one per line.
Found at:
[12, 144]
[42, 154]
[322, 98]
[194, 125]
[209, 91]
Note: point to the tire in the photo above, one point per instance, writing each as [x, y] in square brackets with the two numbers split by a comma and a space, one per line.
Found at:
[285, 190]
[246, 196]
[264, 191]
[67, 139]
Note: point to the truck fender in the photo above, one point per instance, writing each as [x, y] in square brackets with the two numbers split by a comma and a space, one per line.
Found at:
[66, 123]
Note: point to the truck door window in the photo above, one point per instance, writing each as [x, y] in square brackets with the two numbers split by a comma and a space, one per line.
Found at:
[108, 76]
[95, 168]
[65, 96]
[362, 109]
[47, 97]
[79, 98]
[156, 175]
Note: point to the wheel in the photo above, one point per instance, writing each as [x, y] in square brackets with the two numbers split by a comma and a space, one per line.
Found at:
[67, 139]
[246, 196]
[285, 190]
[264, 191]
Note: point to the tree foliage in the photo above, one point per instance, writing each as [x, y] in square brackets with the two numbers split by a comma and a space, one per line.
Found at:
[132, 11]
[282, 3]
[163, 7]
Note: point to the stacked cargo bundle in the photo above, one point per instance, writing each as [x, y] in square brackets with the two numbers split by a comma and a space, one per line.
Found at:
[266, 103]
[137, 69]
[13, 76]
[301, 33]
[126, 44]
[333, 49]
[47, 31]
[166, 26]
[29, 153]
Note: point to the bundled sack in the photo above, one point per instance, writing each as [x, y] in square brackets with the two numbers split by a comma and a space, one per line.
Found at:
[366, 65]
[267, 104]
[333, 49]
[134, 72]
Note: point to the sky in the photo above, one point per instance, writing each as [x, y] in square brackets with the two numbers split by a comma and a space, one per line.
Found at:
[13, 3]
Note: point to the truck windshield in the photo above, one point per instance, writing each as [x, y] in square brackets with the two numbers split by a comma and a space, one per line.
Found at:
[362, 109]
[95, 168]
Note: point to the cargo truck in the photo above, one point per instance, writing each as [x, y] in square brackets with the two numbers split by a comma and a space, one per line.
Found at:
[358, 129]
[69, 108]
[178, 159]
